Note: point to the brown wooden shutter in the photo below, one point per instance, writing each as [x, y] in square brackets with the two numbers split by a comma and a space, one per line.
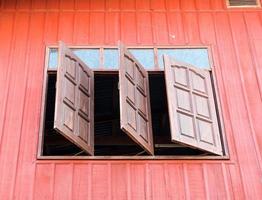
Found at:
[74, 106]
[192, 110]
[135, 112]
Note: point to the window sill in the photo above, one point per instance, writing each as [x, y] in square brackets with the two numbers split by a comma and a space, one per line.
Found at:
[133, 158]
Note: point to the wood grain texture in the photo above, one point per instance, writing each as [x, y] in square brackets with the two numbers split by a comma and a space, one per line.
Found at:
[234, 36]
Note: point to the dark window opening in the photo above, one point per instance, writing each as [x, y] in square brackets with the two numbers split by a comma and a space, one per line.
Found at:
[109, 139]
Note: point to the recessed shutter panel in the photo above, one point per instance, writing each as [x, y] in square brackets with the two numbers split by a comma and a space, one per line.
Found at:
[74, 107]
[135, 110]
[192, 110]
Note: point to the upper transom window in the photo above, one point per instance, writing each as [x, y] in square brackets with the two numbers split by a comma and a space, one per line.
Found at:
[150, 58]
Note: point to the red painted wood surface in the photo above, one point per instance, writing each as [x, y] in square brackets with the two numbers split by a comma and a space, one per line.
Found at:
[235, 36]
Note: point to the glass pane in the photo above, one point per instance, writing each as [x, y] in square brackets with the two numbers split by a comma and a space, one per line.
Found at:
[53, 59]
[145, 57]
[196, 57]
[89, 56]
[111, 58]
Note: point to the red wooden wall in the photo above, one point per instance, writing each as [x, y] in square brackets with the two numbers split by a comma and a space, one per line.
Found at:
[235, 35]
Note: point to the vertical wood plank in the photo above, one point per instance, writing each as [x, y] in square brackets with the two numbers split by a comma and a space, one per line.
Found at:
[52, 4]
[127, 5]
[43, 187]
[236, 181]
[113, 5]
[51, 28]
[9, 4]
[67, 5]
[217, 4]
[128, 22]
[23, 4]
[158, 181]
[97, 5]
[81, 183]
[191, 27]
[175, 28]
[82, 4]
[81, 28]
[63, 181]
[158, 5]
[195, 181]
[119, 181]
[144, 25]
[7, 21]
[112, 28]
[188, 5]
[97, 28]
[175, 181]
[65, 27]
[100, 183]
[215, 181]
[36, 4]
[143, 5]
[203, 5]
[24, 176]
[13, 119]
[206, 28]
[138, 182]
[160, 28]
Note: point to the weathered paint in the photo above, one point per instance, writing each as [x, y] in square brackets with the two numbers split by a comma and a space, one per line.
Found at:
[235, 37]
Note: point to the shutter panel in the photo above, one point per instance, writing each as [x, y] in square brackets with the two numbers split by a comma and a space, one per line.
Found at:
[192, 111]
[135, 112]
[74, 106]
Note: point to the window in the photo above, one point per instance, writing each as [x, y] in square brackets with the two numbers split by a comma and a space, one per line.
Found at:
[130, 102]
[243, 3]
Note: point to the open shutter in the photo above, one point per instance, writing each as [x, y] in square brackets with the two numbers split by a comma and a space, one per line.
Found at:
[74, 106]
[192, 110]
[135, 112]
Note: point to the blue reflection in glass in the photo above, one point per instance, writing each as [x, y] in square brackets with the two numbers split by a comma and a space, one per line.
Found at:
[89, 56]
[145, 57]
[53, 58]
[111, 58]
[196, 57]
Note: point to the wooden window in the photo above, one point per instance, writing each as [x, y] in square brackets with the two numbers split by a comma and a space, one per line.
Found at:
[101, 101]
[243, 3]
[191, 105]
[135, 110]
[74, 100]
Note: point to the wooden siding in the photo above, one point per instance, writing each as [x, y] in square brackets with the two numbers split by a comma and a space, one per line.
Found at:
[235, 37]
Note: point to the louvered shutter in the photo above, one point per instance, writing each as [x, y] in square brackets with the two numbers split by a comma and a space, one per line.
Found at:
[74, 106]
[243, 3]
[192, 110]
[135, 112]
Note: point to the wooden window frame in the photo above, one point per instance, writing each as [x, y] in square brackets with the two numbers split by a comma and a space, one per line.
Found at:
[257, 6]
[156, 70]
